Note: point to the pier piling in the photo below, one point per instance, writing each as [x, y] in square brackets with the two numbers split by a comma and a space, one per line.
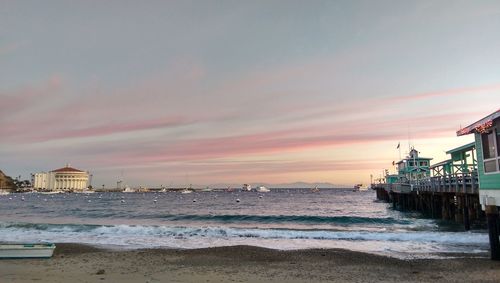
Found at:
[466, 213]
[492, 218]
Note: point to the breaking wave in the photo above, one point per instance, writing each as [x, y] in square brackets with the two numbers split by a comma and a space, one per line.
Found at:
[101, 233]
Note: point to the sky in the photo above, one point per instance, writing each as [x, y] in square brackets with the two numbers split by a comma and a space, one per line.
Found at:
[208, 92]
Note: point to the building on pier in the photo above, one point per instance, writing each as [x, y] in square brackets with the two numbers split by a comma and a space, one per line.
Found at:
[458, 174]
[462, 161]
[62, 179]
[487, 142]
[411, 171]
[413, 168]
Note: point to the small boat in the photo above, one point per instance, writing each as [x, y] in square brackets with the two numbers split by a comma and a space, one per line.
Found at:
[26, 250]
[207, 189]
[4, 192]
[356, 187]
[315, 190]
[129, 190]
[263, 189]
[142, 189]
[85, 192]
[246, 188]
[186, 191]
[52, 192]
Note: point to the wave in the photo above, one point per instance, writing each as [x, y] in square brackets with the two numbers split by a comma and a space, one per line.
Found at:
[267, 219]
[127, 233]
[48, 227]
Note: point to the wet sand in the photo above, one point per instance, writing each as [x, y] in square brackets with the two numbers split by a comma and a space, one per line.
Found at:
[80, 263]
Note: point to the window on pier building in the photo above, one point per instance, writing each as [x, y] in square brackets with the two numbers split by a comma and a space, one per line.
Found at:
[491, 152]
[498, 143]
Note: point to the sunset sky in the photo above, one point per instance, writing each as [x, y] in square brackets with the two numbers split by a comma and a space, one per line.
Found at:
[206, 92]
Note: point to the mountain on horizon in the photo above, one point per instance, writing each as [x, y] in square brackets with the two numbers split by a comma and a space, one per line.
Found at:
[294, 185]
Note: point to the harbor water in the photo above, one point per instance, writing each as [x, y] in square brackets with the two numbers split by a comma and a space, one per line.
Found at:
[281, 219]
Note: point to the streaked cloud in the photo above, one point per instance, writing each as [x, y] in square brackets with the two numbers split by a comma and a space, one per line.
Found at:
[493, 88]
[29, 96]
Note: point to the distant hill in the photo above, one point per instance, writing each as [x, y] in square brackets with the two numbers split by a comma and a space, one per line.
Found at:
[6, 182]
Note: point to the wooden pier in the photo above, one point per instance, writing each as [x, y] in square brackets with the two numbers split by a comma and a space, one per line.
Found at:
[447, 190]
[464, 188]
[454, 198]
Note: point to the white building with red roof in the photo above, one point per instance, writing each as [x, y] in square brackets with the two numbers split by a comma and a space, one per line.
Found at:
[63, 179]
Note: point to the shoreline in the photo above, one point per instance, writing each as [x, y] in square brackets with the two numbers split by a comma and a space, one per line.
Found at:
[72, 248]
[85, 263]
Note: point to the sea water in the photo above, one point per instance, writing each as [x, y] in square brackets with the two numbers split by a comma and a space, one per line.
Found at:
[281, 219]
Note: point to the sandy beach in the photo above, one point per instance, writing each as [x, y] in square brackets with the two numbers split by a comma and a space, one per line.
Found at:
[81, 263]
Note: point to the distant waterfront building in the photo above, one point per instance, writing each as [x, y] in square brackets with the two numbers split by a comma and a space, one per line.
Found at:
[62, 179]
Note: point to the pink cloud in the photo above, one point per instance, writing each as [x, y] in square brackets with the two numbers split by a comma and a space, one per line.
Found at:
[156, 102]
[96, 112]
[116, 127]
[271, 142]
[29, 96]
[449, 92]
[388, 110]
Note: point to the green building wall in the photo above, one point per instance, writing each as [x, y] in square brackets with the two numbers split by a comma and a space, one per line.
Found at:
[489, 181]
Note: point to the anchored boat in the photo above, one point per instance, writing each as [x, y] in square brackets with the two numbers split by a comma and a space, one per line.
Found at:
[263, 189]
[26, 250]
[246, 188]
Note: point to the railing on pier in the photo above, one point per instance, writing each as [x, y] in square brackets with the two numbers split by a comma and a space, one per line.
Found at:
[466, 183]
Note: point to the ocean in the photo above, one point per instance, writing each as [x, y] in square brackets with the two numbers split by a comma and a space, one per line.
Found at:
[284, 219]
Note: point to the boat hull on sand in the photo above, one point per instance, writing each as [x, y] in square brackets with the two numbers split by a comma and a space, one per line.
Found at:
[26, 250]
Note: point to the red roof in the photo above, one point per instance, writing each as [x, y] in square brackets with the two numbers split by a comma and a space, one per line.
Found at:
[67, 169]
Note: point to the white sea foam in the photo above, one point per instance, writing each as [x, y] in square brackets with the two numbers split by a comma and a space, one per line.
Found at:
[138, 236]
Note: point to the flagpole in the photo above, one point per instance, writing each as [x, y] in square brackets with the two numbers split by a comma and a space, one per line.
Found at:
[399, 147]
